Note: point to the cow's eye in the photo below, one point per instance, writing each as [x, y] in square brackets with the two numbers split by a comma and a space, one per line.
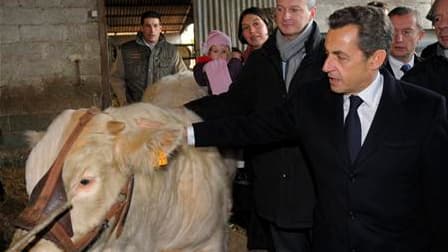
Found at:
[84, 181]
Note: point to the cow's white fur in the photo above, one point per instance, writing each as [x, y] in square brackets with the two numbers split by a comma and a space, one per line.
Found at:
[174, 90]
[181, 207]
[44, 151]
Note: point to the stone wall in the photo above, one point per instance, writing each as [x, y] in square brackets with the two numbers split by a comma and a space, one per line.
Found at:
[49, 61]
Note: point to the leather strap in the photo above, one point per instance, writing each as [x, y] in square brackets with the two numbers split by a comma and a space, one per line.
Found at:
[49, 194]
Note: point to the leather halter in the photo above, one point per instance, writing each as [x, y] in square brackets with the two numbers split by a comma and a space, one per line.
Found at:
[49, 194]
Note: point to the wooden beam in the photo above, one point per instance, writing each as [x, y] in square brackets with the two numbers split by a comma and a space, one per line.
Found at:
[159, 5]
[106, 97]
[180, 14]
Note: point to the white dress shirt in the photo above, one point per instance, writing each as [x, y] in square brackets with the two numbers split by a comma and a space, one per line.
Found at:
[190, 135]
[371, 97]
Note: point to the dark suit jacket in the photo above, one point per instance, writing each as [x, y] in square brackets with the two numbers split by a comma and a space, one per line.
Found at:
[394, 197]
[417, 60]
[430, 50]
[432, 74]
[283, 189]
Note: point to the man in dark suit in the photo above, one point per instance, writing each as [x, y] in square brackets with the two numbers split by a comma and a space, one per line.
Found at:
[378, 147]
[407, 34]
[438, 16]
[432, 73]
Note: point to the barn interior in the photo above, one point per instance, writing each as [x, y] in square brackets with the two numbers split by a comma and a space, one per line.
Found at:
[57, 54]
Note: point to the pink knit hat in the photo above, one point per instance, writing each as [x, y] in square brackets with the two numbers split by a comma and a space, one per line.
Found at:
[216, 37]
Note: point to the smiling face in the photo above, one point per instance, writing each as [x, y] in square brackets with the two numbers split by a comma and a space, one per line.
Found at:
[348, 68]
[255, 31]
[441, 22]
[406, 36]
[292, 16]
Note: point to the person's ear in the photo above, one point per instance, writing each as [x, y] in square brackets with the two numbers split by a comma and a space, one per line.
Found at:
[421, 34]
[377, 59]
[313, 12]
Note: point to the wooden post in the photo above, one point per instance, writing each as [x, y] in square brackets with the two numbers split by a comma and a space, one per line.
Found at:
[106, 97]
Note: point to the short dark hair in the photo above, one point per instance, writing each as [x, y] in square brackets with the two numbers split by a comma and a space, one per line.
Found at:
[149, 14]
[375, 29]
[267, 19]
[402, 10]
[377, 4]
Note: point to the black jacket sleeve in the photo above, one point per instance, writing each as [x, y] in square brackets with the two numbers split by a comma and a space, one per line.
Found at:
[276, 124]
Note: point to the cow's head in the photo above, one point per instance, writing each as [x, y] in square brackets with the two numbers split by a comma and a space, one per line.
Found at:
[96, 168]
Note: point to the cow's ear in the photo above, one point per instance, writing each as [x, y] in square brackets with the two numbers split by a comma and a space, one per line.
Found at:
[144, 147]
[115, 127]
[164, 137]
[163, 143]
[167, 139]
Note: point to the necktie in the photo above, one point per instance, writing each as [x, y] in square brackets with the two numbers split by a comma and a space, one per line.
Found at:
[405, 68]
[352, 128]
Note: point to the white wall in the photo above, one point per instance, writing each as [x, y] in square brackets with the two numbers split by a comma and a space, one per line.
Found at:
[326, 7]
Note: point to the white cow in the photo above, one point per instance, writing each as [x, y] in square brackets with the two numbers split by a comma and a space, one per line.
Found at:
[179, 206]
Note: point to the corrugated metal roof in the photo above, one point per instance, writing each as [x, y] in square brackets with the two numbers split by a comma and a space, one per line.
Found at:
[124, 15]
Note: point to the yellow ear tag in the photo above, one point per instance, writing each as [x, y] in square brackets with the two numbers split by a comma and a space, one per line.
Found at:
[162, 158]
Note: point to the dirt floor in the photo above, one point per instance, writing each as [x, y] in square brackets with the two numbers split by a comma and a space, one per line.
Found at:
[13, 180]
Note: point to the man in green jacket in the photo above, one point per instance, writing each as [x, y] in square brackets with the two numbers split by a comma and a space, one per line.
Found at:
[143, 61]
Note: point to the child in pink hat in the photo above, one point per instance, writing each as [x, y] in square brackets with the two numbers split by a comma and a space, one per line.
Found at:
[217, 70]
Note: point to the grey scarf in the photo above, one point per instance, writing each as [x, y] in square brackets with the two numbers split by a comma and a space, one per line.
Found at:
[292, 52]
